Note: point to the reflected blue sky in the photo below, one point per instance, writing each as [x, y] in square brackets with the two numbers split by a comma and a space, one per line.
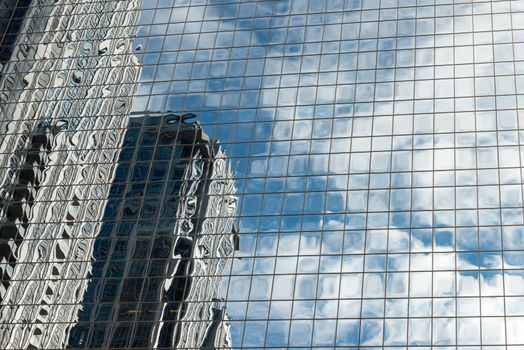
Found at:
[389, 162]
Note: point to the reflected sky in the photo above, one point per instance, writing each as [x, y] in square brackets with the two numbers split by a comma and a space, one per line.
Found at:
[376, 149]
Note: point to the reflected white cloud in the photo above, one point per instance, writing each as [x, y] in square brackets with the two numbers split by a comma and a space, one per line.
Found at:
[425, 160]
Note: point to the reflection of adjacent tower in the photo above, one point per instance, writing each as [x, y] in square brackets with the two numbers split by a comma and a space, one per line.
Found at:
[167, 231]
[62, 126]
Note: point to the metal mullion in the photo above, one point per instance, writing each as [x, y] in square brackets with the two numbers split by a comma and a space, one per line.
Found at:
[479, 317]
[342, 255]
[287, 175]
[270, 142]
[307, 175]
[247, 177]
[499, 184]
[386, 273]
[360, 326]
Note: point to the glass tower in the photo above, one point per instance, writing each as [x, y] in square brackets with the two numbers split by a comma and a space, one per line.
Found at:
[241, 174]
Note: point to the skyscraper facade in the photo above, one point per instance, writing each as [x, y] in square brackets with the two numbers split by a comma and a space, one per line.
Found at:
[303, 174]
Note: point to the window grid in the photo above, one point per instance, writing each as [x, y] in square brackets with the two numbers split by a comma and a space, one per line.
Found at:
[375, 150]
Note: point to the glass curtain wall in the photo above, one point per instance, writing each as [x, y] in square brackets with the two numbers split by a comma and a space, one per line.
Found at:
[375, 147]
[377, 152]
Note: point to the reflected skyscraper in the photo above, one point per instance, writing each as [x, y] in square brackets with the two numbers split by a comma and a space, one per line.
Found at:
[61, 129]
[376, 147]
[166, 235]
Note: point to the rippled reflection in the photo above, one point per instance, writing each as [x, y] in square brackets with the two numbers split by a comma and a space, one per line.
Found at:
[56, 170]
[167, 231]
[376, 146]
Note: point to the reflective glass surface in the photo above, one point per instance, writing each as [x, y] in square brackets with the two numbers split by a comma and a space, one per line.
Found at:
[227, 174]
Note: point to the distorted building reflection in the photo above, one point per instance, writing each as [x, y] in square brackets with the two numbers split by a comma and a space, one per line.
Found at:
[167, 230]
[378, 156]
[62, 126]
